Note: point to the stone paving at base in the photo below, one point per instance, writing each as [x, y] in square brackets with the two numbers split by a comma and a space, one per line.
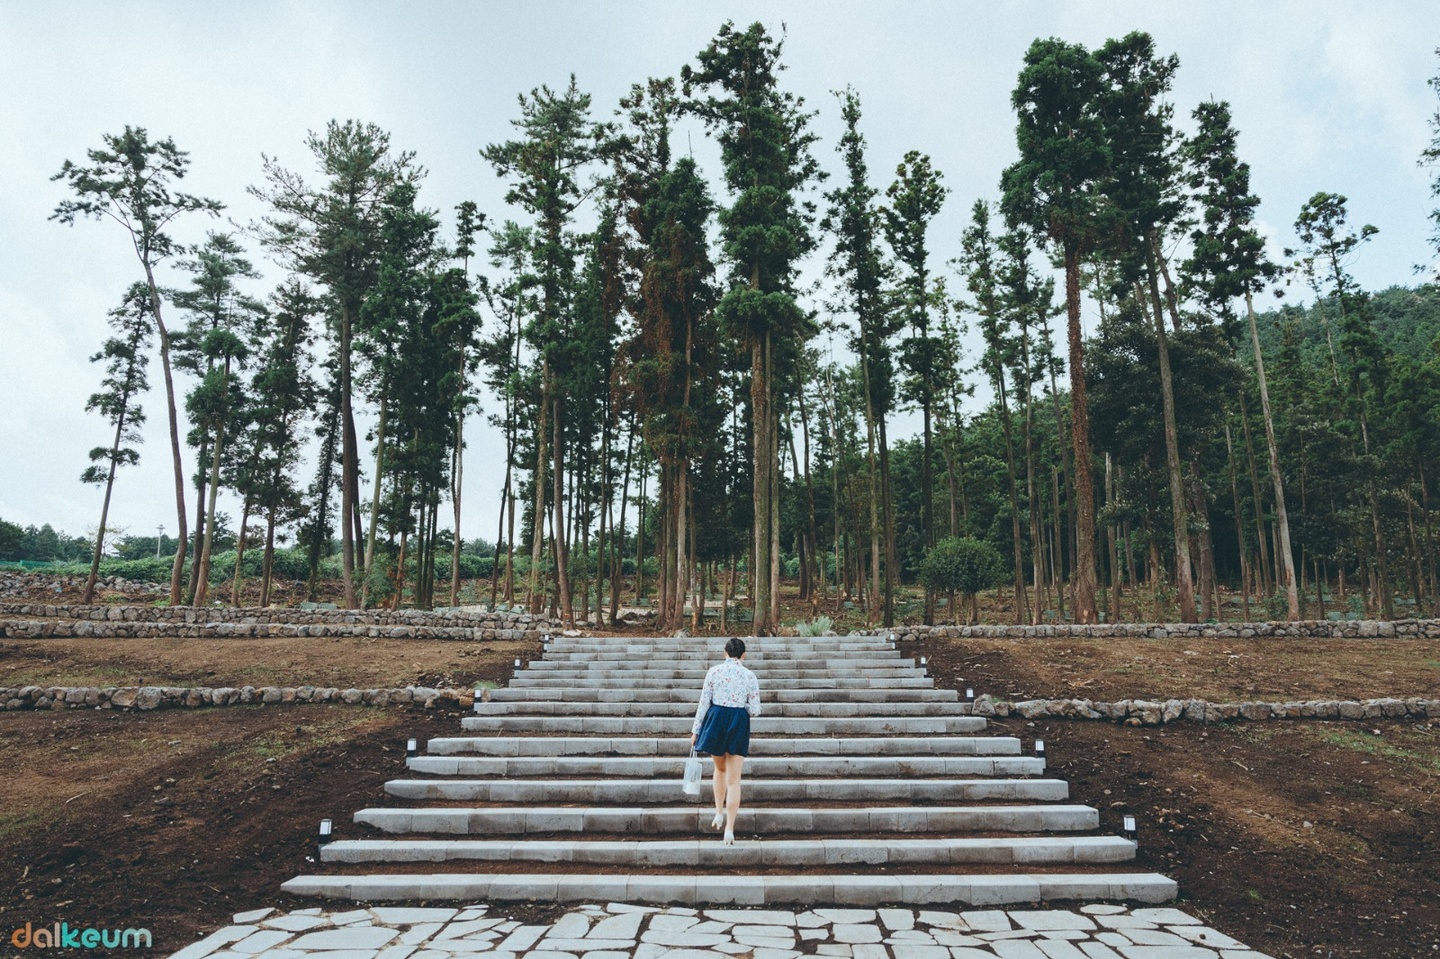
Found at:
[621, 931]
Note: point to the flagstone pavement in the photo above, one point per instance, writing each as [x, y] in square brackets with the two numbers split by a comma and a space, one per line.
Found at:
[621, 931]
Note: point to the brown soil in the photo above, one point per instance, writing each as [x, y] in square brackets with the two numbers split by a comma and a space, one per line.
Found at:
[1218, 670]
[1298, 838]
[340, 662]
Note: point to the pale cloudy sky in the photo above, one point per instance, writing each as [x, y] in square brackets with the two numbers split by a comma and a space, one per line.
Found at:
[1327, 96]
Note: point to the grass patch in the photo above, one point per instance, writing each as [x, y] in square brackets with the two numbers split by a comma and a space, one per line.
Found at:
[12, 824]
[1378, 747]
[280, 745]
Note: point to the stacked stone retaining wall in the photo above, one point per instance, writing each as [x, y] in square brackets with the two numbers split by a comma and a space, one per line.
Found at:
[1309, 629]
[145, 698]
[43, 620]
[25, 584]
[1131, 712]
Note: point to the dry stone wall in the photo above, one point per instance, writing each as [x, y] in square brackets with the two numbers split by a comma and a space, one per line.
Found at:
[1144, 712]
[28, 584]
[43, 620]
[146, 698]
[1310, 629]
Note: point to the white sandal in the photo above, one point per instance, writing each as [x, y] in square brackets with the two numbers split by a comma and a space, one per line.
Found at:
[718, 823]
[729, 839]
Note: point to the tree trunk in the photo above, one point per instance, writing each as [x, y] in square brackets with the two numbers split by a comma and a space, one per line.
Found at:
[1260, 535]
[1017, 545]
[1114, 552]
[202, 585]
[1184, 582]
[500, 531]
[640, 534]
[1382, 568]
[892, 553]
[267, 566]
[182, 532]
[349, 461]
[198, 536]
[617, 534]
[562, 543]
[375, 500]
[1239, 527]
[817, 579]
[457, 475]
[773, 428]
[761, 444]
[1287, 559]
[927, 495]
[1205, 548]
[876, 496]
[89, 596]
[535, 600]
[1085, 579]
[240, 553]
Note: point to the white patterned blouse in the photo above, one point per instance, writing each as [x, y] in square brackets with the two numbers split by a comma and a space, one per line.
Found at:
[728, 684]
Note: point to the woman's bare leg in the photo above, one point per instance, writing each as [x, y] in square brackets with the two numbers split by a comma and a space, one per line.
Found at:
[718, 783]
[733, 767]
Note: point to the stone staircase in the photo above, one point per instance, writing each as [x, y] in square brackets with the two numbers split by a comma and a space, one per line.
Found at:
[865, 785]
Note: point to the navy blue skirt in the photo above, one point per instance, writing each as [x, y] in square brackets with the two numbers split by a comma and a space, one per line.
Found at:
[725, 731]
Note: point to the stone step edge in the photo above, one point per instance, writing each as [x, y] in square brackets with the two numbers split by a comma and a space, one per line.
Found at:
[533, 694]
[882, 726]
[642, 746]
[711, 890]
[757, 766]
[1031, 789]
[773, 852]
[537, 820]
[537, 708]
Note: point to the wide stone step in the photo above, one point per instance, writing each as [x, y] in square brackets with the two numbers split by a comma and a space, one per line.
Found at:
[759, 746]
[1021, 850]
[715, 647]
[799, 710]
[681, 725]
[755, 766]
[697, 673]
[757, 791]
[668, 820]
[712, 657]
[711, 890]
[676, 695]
[757, 665]
[533, 680]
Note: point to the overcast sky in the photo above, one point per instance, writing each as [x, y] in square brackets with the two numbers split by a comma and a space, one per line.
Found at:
[1327, 96]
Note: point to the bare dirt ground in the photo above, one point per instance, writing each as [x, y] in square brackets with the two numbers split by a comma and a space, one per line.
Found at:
[340, 662]
[1301, 839]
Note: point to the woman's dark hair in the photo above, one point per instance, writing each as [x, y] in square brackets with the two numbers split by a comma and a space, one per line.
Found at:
[735, 648]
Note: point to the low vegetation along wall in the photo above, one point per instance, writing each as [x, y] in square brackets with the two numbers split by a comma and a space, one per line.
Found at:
[43, 620]
[145, 698]
[1309, 629]
[1134, 712]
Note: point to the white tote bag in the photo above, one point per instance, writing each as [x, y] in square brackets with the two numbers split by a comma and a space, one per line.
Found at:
[690, 783]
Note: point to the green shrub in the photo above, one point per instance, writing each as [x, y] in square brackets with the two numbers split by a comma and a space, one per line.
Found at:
[963, 565]
[816, 627]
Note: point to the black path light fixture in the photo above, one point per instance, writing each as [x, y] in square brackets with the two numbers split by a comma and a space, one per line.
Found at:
[412, 747]
[1039, 749]
[327, 830]
[1127, 828]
